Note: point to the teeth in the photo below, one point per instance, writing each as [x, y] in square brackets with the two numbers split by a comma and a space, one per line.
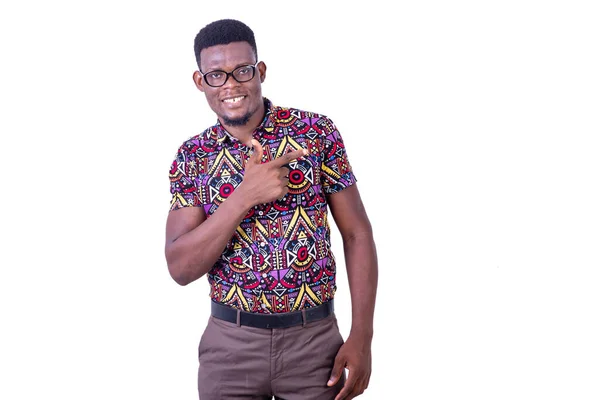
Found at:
[234, 100]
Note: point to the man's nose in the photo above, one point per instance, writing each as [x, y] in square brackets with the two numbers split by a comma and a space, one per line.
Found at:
[230, 81]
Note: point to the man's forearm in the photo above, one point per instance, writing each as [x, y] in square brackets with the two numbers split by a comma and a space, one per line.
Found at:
[361, 264]
[194, 253]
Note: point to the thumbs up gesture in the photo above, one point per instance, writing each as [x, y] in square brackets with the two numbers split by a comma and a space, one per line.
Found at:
[264, 183]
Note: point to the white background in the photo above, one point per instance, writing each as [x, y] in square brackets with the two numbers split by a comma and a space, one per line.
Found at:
[472, 127]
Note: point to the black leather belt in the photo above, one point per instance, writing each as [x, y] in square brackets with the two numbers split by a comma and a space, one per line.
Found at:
[271, 321]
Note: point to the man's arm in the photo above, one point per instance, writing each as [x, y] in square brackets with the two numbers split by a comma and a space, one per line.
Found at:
[361, 264]
[194, 243]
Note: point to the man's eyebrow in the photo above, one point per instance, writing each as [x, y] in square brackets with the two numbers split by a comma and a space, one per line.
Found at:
[211, 69]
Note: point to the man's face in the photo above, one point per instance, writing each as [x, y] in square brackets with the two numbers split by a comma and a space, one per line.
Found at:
[234, 103]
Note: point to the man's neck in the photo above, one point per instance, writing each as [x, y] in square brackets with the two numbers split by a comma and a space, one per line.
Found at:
[243, 133]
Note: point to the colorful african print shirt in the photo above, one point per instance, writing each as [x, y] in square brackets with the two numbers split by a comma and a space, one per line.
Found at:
[279, 259]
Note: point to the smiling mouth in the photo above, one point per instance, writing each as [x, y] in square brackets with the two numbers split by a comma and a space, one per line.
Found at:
[234, 99]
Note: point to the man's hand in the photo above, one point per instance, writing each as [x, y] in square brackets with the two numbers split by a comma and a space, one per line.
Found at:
[264, 183]
[355, 355]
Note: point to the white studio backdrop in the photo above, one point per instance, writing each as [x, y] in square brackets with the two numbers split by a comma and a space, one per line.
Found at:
[472, 128]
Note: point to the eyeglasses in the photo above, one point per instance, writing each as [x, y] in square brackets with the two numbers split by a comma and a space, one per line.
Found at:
[241, 74]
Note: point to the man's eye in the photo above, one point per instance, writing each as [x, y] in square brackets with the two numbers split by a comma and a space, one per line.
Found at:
[244, 71]
[215, 75]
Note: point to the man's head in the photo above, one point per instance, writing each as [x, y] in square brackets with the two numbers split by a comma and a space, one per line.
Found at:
[230, 74]
[224, 31]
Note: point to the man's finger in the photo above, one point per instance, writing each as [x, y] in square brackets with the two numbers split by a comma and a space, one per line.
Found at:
[286, 158]
[348, 386]
[359, 388]
[283, 174]
[336, 372]
[256, 157]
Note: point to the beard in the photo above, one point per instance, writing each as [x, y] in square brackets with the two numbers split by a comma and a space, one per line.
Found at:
[241, 121]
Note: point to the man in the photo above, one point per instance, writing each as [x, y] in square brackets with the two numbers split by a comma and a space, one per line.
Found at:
[249, 209]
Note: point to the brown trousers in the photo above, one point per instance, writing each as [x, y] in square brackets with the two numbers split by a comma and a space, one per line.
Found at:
[240, 362]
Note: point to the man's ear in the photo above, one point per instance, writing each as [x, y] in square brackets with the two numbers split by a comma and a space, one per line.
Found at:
[262, 71]
[198, 81]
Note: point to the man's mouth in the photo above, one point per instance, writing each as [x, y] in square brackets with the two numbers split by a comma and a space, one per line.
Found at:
[233, 99]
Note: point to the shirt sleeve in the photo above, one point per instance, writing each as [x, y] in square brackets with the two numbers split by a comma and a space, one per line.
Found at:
[185, 180]
[336, 172]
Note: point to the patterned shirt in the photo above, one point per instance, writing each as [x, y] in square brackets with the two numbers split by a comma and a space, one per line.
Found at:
[279, 259]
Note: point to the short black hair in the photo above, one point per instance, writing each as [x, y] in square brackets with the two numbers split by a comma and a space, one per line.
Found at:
[223, 31]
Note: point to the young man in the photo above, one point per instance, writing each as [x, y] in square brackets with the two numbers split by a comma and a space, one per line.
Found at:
[249, 209]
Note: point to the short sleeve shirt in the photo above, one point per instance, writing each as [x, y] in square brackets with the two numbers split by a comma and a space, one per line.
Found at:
[279, 258]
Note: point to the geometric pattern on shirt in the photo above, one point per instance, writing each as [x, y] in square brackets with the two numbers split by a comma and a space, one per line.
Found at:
[279, 258]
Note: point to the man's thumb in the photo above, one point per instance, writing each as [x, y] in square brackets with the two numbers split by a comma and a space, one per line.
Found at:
[256, 157]
[336, 372]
